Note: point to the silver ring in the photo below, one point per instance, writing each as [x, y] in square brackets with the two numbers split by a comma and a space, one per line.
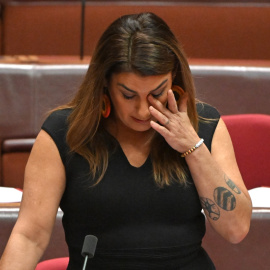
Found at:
[167, 123]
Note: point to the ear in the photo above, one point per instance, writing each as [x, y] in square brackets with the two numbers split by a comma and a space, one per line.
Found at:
[178, 93]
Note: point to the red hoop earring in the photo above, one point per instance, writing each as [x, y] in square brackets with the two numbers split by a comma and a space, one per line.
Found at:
[106, 106]
[178, 93]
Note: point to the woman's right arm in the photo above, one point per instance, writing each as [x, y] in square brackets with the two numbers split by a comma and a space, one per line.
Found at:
[44, 184]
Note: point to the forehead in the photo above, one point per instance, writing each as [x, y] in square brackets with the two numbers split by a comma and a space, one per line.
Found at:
[138, 82]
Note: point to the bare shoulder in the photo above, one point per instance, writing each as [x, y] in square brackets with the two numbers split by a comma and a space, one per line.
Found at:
[44, 150]
[44, 170]
[44, 183]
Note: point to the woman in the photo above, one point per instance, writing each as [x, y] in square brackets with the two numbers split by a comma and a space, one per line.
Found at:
[132, 159]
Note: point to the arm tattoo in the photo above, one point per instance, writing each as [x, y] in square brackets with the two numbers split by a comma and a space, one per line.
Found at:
[210, 207]
[224, 198]
[231, 184]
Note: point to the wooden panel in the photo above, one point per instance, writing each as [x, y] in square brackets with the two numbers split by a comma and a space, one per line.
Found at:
[206, 31]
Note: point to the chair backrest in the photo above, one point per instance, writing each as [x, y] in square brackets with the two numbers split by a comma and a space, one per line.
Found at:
[53, 264]
[250, 135]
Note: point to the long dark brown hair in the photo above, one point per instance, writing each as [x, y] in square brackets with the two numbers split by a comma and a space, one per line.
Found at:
[141, 43]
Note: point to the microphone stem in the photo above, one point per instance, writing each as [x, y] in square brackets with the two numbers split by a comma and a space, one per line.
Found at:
[85, 262]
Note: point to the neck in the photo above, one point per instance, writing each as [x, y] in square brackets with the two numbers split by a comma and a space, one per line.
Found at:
[126, 135]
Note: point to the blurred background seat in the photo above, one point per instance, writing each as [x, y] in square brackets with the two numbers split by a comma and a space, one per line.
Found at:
[250, 135]
[53, 264]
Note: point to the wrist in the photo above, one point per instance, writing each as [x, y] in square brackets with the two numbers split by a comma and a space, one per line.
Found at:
[193, 148]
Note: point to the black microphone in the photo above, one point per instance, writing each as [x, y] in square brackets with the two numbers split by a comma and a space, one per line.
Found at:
[89, 248]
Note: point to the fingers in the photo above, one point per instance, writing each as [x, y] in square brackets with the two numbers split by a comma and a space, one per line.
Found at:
[159, 111]
[166, 115]
[172, 104]
[160, 107]
[160, 117]
[183, 103]
[160, 129]
[157, 104]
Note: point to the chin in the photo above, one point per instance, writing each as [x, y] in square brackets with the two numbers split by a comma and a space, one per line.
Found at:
[141, 128]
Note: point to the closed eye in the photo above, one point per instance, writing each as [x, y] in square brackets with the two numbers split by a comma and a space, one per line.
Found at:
[128, 97]
[159, 94]
[154, 95]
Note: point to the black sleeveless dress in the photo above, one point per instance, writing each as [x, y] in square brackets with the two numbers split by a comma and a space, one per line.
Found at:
[138, 225]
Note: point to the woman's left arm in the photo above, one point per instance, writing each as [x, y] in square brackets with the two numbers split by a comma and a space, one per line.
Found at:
[221, 189]
[224, 197]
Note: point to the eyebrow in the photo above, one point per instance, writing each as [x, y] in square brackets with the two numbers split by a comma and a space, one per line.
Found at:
[130, 90]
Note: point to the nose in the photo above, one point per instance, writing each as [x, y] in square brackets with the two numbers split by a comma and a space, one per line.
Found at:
[143, 109]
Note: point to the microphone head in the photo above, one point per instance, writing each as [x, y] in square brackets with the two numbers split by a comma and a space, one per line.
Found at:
[89, 246]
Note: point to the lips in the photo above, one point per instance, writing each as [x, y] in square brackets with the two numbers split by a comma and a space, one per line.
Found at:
[141, 121]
